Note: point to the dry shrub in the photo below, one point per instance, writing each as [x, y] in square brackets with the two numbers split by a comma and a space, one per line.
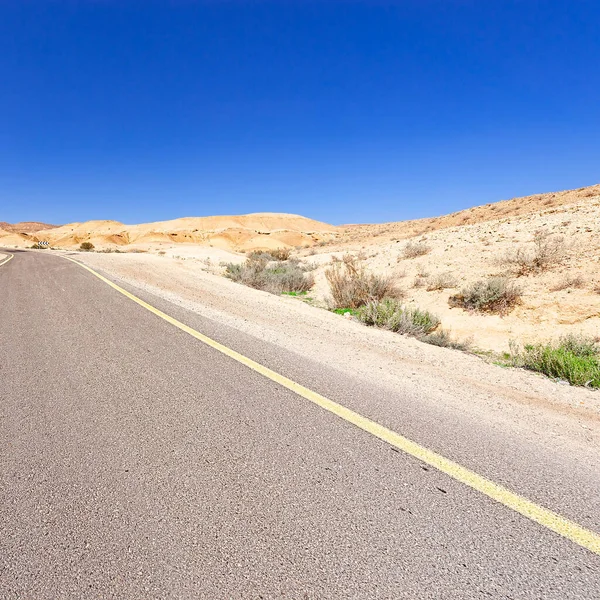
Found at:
[548, 250]
[352, 286]
[444, 339]
[260, 256]
[569, 282]
[496, 295]
[414, 249]
[86, 246]
[280, 253]
[441, 282]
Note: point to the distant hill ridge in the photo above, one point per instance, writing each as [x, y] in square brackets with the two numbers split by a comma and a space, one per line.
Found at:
[264, 231]
[235, 232]
[26, 226]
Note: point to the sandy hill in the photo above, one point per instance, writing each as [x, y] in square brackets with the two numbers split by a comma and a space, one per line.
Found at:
[236, 233]
[516, 207]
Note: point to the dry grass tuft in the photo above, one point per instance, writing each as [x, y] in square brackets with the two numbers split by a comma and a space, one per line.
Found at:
[444, 339]
[280, 253]
[548, 250]
[352, 286]
[569, 282]
[442, 281]
[414, 249]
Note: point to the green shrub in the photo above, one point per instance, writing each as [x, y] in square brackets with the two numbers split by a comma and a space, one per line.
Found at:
[352, 286]
[495, 295]
[573, 359]
[86, 246]
[389, 313]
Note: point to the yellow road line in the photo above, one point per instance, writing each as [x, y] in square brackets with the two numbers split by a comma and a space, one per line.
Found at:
[547, 518]
[9, 257]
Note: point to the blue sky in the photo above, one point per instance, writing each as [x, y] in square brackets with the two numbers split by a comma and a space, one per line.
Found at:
[344, 111]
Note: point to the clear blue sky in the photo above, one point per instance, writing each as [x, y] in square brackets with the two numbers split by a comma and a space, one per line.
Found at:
[344, 111]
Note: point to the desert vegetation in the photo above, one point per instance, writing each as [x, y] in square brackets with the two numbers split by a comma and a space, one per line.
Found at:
[86, 246]
[442, 281]
[546, 251]
[568, 282]
[352, 286]
[391, 314]
[497, 295]
[263, 271]
[572, 358]
[414, 249]
[443, 338]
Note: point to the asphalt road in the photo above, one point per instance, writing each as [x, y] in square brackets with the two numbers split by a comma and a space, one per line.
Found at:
[137, 462]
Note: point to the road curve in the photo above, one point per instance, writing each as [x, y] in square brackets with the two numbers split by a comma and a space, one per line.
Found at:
[140, 463]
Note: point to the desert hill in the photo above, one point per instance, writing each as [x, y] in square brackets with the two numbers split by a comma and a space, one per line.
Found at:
[504, 209]
[455, 251]
[235, 233]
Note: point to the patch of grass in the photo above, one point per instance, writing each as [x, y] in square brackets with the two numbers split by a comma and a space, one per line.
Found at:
[389, 313]
[352, 286]
[575, 359]
[414, 249]
[276, 277]
[343, 311]
[295, 294]
[86, 246]
[496, 295]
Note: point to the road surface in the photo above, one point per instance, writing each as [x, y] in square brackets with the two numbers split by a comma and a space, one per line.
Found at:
[139, 462]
